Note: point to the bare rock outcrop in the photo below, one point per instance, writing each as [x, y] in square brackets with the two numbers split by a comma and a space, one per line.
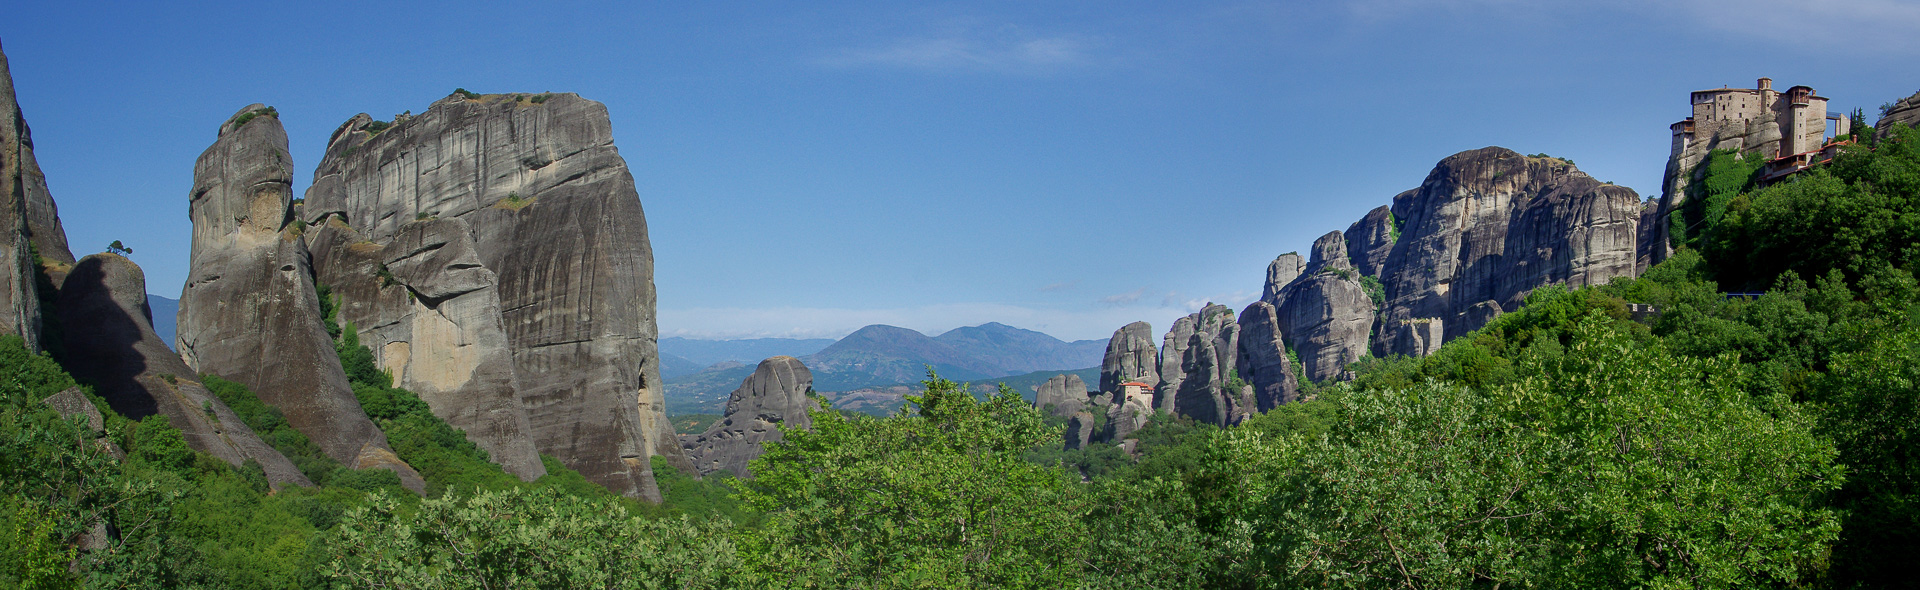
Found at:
[1326, 315]
[110, 344]
[1370, 240]
[1905, 112]
[1131, 414]
[248, 312]
[430, 311]
[775, 395]
[1080, 429]
[1201, 351]
[1131, 356]
[1062, 395]
[1280, 273]
[1486, 228]
[28, 221]
[1263, 361]
[552, 214]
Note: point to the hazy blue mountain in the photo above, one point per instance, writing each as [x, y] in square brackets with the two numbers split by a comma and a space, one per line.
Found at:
[1013, 351]
[883, 355]
[676, 366]
[879, 357]
[166, 311]
[750, 350]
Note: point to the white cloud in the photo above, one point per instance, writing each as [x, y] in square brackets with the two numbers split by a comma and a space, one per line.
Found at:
[1127, 298]
[1009, 49]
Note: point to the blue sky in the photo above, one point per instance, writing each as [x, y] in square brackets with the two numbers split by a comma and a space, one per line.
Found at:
[809, 168]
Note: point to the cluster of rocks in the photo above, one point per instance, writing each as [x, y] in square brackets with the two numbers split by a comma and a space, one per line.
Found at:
[1486, 228]
[491, 252]
[94, 311]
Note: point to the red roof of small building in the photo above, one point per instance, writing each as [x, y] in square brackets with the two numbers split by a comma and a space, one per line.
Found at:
[1135, 383]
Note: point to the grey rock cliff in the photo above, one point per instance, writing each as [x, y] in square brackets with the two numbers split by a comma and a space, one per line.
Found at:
[553, 214]
[433, 318]
[1080, 429]
[1131, 356]
[1486, 228]
[1206, 389]
[110, 344]
[1061, 395]
[1905, 112]
[1326, 315]
[248, 312]
[1263, 359]
[1370, 240]
[25, 210]
[775, 395]
[1280, 273]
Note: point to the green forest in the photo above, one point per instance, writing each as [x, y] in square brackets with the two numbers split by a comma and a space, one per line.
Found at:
[1766, 439]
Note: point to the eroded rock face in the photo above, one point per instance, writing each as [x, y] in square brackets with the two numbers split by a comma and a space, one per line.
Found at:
[1490, 225]
[1080, 429]
[248, 312]
[1131, 356]
[552, 214]
[1131, 414]
[1204, 388]
[27, 220]
[432, 316]
[1326, 314]
[1280, 273]
[1905, 112]
[110, 343]
[773, 396]
[1061, 395]
[1370, 240]
[1263, 359]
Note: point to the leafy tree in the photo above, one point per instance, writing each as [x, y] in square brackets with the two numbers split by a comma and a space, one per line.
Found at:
[940, 496]
[518, 538]
[1613, 464]
[117, 248]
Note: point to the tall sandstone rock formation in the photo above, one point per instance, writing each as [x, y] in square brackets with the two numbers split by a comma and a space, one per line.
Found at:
[1131, 356]
[1486, 228]
[1263, 361]
[775, 395]
[1197, 369]
[1326, 314]
[555, 258]
[1370, 240]
[110, 344]
[28, 221]
[248, 312]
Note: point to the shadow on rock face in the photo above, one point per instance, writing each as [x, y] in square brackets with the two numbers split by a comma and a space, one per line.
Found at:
[102, 336]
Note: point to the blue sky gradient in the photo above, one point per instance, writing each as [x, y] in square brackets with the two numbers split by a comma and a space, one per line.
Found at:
[1068, 167]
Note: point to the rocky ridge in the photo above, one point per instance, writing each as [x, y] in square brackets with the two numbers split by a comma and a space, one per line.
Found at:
[1482, 231]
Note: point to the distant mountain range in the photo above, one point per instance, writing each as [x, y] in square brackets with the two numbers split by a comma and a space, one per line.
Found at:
[876, 356]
